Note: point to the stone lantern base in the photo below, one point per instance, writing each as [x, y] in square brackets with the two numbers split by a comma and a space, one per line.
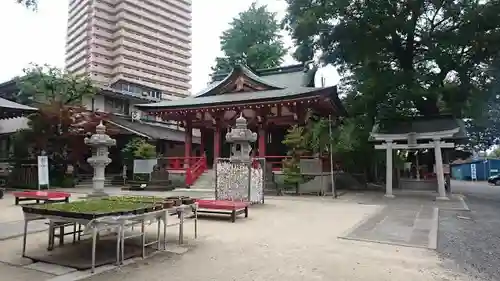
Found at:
[97, 194]
[100, 142]
[98, 183]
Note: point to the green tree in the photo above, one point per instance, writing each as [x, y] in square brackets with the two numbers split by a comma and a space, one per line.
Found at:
[406, 57]
[59, 126]
[51, 86]
[145, 151]
[253, 39]
[138, 148]
[297, 142]
[495, 153]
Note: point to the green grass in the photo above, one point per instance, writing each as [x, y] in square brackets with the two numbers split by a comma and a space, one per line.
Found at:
[96, 206]
[136, 199]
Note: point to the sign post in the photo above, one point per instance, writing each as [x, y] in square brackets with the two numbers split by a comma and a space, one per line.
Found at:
[473, 174]
[43, 171]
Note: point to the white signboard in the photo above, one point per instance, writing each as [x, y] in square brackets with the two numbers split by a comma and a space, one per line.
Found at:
[473, 174]
[144, 166]
[43, 171]
[310, 166]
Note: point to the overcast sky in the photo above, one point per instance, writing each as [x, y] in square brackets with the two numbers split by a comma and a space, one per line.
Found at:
[39, 37]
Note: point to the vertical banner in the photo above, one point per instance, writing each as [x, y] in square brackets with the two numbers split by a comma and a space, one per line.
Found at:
[473, 173]
[43, 171]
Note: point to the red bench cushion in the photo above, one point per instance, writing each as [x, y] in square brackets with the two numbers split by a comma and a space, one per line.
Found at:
[221, 204]
[41, 194]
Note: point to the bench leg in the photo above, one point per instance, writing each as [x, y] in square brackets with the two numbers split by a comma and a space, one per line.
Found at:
[38, 201]
[246, 212]
[17, 201]
[61, 235]
[233, 216]
[66, 199]
[79, 232]
[51, 236]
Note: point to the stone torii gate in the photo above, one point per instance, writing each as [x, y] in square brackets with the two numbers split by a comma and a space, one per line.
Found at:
[424, 140]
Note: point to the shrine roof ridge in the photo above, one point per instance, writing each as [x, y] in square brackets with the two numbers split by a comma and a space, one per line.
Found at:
[265, 71]
[237, 71]
[246, 97]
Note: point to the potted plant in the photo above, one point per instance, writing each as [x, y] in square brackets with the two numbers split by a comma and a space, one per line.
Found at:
[188, 201]
[167, 204]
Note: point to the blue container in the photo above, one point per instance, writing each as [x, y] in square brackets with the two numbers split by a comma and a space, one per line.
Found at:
[484, 169]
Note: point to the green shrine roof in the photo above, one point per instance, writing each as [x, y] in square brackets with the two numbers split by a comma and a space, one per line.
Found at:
[276, 84]
[269, 95]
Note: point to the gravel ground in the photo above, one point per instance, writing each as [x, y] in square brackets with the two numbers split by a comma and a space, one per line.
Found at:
[288, 240]
[470, 241]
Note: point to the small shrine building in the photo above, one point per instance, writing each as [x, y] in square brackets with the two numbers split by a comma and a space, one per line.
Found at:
[434, 136]
[271, 100]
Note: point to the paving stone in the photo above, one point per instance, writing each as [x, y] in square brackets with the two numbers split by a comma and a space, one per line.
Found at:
[371, 223]
[419, 238]
[176, 249]
[426, 213]
[422, 224]
[16, 228]
[15, 260]
[50, 268]
[15, 273]
[398, 224]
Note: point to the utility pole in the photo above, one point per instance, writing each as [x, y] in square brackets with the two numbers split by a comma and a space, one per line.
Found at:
[332, 177]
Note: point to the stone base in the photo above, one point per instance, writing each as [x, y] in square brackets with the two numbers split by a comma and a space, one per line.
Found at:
[389, 196]
[442, 198]
[97, 194]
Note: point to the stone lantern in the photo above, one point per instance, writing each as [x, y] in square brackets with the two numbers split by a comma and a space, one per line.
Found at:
[100, 142]
[240, 138]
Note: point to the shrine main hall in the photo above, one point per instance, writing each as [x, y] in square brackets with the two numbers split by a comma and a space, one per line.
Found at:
[271, 100]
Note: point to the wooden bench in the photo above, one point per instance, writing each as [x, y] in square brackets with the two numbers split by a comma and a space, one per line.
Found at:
[231, 208]
[41, 196]
[76, 232]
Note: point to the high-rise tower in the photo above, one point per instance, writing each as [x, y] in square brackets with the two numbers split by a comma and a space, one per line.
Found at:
[132, 45]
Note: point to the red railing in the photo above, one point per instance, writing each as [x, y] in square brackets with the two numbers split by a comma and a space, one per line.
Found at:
[195, 171]
[193, 167]
[179, 163]
[277, 161]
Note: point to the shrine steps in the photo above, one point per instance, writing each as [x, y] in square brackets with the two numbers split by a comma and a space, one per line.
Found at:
[206, 181]
[204, 187]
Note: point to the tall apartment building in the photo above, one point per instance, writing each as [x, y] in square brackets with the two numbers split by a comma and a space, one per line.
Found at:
[138, 46]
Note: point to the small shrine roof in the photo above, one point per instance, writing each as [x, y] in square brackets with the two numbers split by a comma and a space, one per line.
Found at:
[10, 109]
[422, 124]
[149, 130]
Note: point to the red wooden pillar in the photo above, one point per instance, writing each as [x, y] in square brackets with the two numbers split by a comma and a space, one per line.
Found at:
[216, 143]
[202, 142]
[262, 141]
[188, 142]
